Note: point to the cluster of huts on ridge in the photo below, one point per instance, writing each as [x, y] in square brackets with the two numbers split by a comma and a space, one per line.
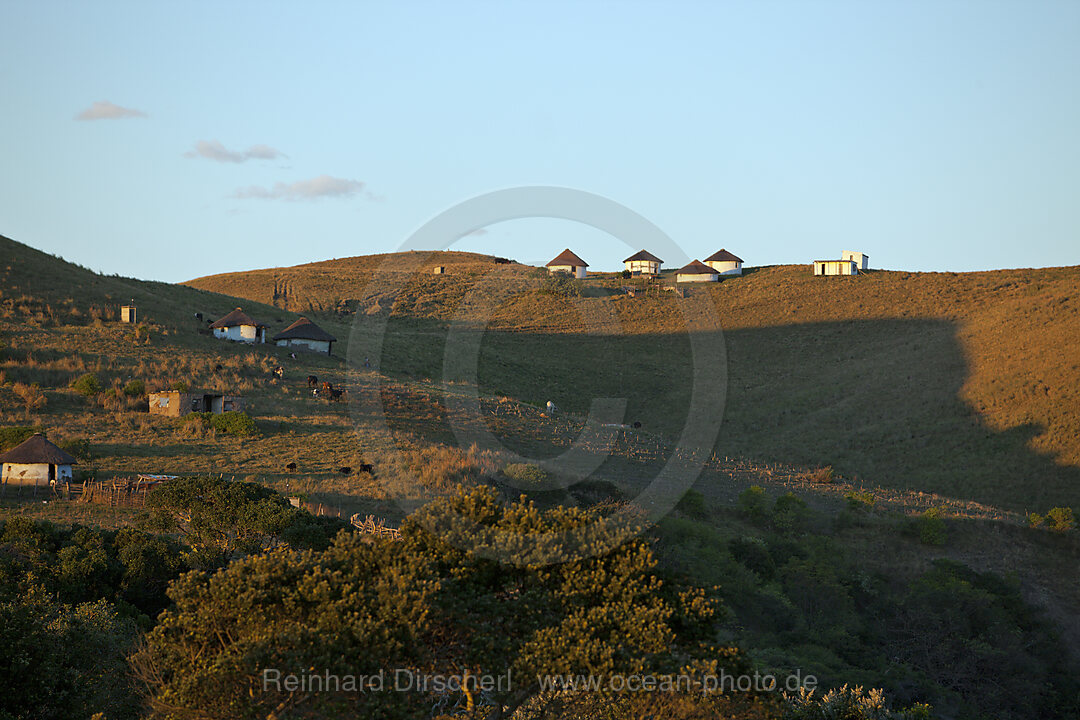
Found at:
[720, 263]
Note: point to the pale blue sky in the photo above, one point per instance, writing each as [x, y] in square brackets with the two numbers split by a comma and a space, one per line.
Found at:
[933, 135]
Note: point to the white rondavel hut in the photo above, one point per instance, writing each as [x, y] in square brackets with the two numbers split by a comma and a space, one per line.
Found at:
[643, 263]
[696, 272]
[36, 461]
[568, 262]
[725, 263]
[240, 327]
[306, 335]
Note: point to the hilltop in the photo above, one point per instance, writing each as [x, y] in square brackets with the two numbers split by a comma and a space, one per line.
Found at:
[953, 383]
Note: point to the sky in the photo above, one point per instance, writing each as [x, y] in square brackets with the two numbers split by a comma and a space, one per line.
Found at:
[168, 141]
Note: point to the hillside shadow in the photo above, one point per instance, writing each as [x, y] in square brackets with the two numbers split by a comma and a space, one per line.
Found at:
[879, 400]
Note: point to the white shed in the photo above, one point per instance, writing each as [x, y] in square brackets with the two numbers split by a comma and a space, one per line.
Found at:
[697, 272]
[861, 260]
[307, 335]
[725, 263]
[239, 326]
[643, 263]
[36, 461]
[568, 262]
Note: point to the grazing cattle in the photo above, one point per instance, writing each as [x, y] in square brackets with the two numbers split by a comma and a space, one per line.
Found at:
[217, 368]
[315, 392]
[327, 386]
[335, 395]
[345, 470]
[367, 468]
[291, 466]
[198, 316]
[637, 425]
[312, 381]
[278, 372]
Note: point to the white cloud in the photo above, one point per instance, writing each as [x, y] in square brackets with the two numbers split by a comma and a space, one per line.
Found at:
[214, 150]
[105, 110]
[313, 189]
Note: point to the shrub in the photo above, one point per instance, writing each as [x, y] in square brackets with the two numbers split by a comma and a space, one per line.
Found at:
[693, 504]
[15, 434]
[79, 447]
[627, 274]
[525, 472]
[753, 503]
[860, 499]
[1060, 519]
[789, 511]
[560, 284]
[230, 423]
[180, 385]
[135, 388]
[819, 475]
[931, 526]
[87, 385]
[1035, 520]
[753, 554]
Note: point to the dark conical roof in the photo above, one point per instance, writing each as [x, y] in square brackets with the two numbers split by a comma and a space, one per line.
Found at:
[723, 255]
[643, 256]
[697, 268]
[235, 318]
[304, 329]
[37, 449]
[567, 258]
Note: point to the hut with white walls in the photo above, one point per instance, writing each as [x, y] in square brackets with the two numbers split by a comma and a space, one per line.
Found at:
[36, 461]
[305, 335]
[568, 262]
[861, 260]
[725, 263]
[696, 271]
[177, 403]
[239, 326]
[643, 263]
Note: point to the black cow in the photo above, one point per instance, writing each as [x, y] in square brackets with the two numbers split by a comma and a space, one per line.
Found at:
[312, 381]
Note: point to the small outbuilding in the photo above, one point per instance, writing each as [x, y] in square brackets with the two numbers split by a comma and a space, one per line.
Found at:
[306, 335]
[696, 271]
[174, 403]
[239, 326]
[128, 314]
[568, 262]
[861, 260]
[643, 263]
[438, 270]
[835, 267]
[725, 263]
[36, 461]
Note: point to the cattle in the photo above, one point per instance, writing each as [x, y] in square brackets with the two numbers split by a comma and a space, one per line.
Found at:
[312, 381]
[198, 316]
[278, 372]
[367, 468]
[345, 470]
[335, 395]
[327, 386]
[637, 425]
[291, 466]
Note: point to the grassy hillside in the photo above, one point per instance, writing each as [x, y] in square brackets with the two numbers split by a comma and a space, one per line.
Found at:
[959, 384]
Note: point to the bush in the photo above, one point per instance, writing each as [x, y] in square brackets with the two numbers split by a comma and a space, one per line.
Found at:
[693, 504]
[1060, 519]
[135, 388]
[560, 284]
[235, 423]
[753, 503]
[753, 554]
[179, 385]
[79, 447]
[789, 511]
[627, 274]
[1035, 520]
[860, 499]
[819, 475]
[87, 385]
[15, 434]
[931, 526]
[525, 472]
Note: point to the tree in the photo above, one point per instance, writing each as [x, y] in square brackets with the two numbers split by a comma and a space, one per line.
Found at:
[427, 604]
[31, 396]
[220, 519]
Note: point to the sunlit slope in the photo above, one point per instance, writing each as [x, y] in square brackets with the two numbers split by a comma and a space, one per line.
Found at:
[965, 384]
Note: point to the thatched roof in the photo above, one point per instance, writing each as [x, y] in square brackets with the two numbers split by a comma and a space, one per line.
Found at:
[697, 268]
[568, 258]
[723, 255]
[643, 256]
[235, 318]
[37, 450]
[304, 329]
